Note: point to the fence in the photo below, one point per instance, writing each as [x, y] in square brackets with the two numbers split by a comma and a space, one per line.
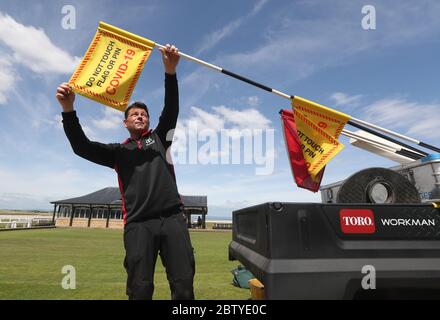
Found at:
[24, 223]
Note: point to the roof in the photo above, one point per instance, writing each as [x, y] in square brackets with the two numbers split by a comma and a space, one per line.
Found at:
[112, 196]
[104, 196]
[195, 201]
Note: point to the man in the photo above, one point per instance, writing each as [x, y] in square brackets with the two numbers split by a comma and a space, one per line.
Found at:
[151, 205]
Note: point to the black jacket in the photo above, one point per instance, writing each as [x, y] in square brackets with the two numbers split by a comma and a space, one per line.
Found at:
[146, 180]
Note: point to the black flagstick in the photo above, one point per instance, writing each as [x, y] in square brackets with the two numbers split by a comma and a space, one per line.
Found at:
[353, 121]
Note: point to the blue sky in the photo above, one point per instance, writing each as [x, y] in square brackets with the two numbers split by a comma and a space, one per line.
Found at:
[315, 49]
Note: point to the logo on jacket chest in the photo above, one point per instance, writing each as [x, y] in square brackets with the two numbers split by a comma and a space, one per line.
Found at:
[149, 141]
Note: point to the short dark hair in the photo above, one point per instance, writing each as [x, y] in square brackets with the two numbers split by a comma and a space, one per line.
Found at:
[138, 105]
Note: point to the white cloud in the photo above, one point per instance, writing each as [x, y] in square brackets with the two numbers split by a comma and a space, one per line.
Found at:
[28, 46]
[90, 134]
[245, 119]
[342, 99]
[205, 120]
[225, 136]
[57, 122]
[32, 48]
[8, 78]
[112, 119]
[412, 118]
[225, 118]
[258, 7]
[253, 101]
[428, 127]
[216, 36]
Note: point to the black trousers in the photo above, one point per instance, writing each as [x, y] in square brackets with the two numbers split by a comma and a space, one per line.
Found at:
[169, 237]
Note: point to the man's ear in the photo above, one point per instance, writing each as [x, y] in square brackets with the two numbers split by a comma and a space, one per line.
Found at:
[125, 123]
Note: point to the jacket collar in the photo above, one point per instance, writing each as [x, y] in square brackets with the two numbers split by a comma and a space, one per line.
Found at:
[146, 133]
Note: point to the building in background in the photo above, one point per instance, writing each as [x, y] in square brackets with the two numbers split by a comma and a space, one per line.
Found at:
[103, 209]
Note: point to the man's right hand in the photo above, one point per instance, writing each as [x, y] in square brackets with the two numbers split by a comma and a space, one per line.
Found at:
[65, 97]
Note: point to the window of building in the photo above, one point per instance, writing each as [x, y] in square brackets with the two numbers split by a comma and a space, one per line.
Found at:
[63, 212]
[115, 214]
[100, 213]
[67, 211]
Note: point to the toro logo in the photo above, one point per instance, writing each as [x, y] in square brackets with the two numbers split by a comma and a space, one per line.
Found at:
[357, 221]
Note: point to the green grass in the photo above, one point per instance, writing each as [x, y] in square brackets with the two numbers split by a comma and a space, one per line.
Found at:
[31, 263]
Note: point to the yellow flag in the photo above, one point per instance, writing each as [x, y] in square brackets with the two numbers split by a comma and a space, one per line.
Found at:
[318, 129]
[111, 66]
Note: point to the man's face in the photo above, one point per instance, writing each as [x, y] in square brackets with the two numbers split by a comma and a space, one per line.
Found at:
[137, 121]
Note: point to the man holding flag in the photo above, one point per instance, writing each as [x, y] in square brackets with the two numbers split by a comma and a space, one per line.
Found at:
[151, 204]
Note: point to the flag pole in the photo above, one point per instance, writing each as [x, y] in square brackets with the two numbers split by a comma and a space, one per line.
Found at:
[231, 74]
[353, 121]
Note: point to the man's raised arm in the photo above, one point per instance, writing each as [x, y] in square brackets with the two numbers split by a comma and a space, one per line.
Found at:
[103, 154]
[168, 117]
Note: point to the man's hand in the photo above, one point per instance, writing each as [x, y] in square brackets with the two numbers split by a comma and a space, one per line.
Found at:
[65, 97]
[170, 58]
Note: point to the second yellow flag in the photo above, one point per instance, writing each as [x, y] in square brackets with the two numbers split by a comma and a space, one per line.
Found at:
[318, 130]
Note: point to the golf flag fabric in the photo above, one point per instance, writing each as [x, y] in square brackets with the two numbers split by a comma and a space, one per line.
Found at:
[298, 165]
[318, 129]
[111, 66]
[311, 134]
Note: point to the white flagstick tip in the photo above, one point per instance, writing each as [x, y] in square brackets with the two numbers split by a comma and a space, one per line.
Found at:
[206, 64]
